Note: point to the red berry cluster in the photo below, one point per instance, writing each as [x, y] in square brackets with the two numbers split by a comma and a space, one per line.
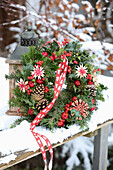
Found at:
[30, 85]
[39, 63]
[73, 99]
[53, 56]
[46, 89]
[96, 70]
[65, 42]
[60, 123]
[30, 77]
[67, 54]
[29, 91]
[64, 116]
[89, 76]
[40, 81]
[93, 108]
[69, 69]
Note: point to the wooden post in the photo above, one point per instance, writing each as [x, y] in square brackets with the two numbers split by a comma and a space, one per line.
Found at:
[100, 149]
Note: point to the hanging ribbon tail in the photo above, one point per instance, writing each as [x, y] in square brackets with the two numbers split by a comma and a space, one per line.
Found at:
[50, 149]
[59, 80]
[42, 148]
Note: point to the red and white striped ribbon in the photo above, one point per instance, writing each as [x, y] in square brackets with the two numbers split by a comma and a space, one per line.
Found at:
[60, 77]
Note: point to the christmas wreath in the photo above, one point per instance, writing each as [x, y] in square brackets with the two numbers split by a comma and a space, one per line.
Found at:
[35, 85]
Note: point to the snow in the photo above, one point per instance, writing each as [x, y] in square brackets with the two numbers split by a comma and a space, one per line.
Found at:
[89, 7]
[76, 6]
[97, 48]
[11, 47]
[81, 144]
[16, 21]
[8, 158]
[18, 6]
[110, 25]
[23, 138]
[17, 29]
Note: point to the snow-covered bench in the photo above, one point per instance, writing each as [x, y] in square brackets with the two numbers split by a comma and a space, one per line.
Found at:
[18, 144]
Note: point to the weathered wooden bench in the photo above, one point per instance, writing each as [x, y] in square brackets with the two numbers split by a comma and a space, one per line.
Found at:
[100, 148]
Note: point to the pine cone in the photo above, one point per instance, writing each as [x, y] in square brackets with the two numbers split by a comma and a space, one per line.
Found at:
[92, 89]
[38, 92]
[41, 104]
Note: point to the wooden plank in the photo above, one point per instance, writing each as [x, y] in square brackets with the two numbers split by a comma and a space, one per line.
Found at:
[89, 135]
[101, 149]
[14, 62]
[15, 113]
[23, 155]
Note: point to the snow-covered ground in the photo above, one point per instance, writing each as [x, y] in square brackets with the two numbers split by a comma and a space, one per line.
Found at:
[20, 137]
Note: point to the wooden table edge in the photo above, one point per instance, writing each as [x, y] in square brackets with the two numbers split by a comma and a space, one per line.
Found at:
[27, 155]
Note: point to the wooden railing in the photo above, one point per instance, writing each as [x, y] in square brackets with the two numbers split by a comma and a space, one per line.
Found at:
[100, 148]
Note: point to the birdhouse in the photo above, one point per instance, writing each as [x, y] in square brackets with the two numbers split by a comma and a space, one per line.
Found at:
[27, 38]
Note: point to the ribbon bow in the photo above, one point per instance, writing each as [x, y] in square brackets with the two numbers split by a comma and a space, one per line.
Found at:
[59, 80]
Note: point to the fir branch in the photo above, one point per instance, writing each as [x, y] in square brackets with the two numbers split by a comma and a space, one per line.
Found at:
[51, 120]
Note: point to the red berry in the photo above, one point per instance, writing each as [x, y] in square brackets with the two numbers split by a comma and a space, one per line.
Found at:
[60, 123]
[29, 78]
[30, 90]
[46, 89]
[93, 101]
[53, 53]
[45, 54]
[74, 98]
[90, 82]
[52, 58]
[64, 115]
[75, 62]
[67, 105]
[89, 76]
[98, 69]
[77, 83]
[55, 57]
[27, 87]
[66, 109]
[30, 111]
[69, 70]
[31, 84]
[39, 81]
[71, 103]
[93, 108]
